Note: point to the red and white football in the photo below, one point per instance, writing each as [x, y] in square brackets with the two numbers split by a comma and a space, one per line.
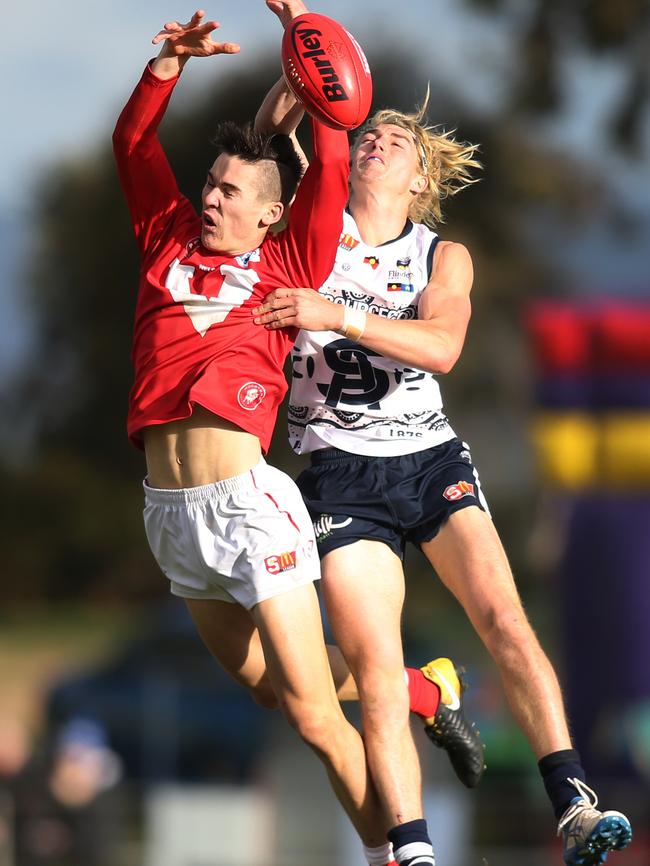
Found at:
[327, 70]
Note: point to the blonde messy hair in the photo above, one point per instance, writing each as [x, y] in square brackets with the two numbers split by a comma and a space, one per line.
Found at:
[445, 162]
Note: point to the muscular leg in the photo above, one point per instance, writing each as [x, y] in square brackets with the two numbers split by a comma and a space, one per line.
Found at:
[469, 559]
[246, 662]
[230, 634]
[363, 589]
[289, 630]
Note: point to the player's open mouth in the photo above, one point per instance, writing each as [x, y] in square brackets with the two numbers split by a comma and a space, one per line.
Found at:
[375, 159]
[208, 222]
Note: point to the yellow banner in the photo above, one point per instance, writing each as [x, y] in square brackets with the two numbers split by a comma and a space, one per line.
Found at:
[578, 450]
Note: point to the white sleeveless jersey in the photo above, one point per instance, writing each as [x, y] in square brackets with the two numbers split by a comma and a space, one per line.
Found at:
[346, 396]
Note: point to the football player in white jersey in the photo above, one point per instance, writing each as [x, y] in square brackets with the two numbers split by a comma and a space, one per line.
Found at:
[387, 467]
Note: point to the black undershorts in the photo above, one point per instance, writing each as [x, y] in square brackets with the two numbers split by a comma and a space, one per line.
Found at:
[388, 499]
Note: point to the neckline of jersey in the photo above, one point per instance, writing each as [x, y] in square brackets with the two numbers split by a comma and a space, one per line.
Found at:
[408, 225]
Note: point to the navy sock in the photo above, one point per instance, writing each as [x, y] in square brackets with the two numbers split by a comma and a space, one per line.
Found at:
[556, 769]
[412, 833]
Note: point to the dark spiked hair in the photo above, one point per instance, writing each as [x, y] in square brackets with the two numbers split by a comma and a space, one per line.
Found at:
[248, 144]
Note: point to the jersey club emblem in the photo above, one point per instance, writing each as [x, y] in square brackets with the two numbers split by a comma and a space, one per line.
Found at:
[251, 395]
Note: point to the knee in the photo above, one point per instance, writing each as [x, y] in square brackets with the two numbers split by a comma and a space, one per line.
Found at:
[316, 725]
[384, 696]
[508, 633]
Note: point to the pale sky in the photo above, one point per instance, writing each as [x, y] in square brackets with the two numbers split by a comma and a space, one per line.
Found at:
[64, 89]
[67, 68]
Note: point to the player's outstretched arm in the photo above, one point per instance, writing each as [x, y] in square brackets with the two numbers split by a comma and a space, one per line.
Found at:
[182, 41]
[145, 174]
[280, 112]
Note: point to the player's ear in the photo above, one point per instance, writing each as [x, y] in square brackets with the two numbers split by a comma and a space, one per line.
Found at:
[272, 213]
[419, 184]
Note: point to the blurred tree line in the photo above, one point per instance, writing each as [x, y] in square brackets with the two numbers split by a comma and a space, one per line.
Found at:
[72, 497]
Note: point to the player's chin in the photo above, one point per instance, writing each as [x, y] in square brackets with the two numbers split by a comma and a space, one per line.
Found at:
[363, 176]
[210, 239]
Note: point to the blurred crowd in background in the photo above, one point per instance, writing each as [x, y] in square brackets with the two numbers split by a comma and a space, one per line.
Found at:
[104, 755]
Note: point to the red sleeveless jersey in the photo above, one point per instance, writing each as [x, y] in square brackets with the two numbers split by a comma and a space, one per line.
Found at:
[194, 337]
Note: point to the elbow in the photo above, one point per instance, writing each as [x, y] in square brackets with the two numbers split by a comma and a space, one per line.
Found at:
[119, 137]
[444, 352]
[128, 134]
[334, 163]
[338, 155]
[442, 363]
[442, 366]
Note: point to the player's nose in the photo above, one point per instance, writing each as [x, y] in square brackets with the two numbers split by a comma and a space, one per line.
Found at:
[212, 197]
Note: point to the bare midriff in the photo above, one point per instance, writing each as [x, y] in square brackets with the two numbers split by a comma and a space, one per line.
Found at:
[201, 449]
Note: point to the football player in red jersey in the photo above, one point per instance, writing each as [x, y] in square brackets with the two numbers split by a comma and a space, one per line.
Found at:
[387, 468]
[230, 532]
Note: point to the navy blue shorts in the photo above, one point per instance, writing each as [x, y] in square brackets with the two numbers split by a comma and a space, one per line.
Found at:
[388, 499]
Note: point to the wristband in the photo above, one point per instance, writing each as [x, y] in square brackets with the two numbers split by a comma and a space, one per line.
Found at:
[354, 324]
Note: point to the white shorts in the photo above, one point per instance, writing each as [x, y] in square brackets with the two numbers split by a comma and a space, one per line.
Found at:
[241, 540]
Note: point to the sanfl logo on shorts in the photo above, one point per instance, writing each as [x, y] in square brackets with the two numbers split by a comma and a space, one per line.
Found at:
[280, 562]
[458, 490]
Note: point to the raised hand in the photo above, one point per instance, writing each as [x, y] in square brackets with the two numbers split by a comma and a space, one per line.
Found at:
[192, 39]
[287, 10]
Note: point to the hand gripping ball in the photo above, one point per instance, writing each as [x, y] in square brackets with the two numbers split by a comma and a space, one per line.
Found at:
[327, 71]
